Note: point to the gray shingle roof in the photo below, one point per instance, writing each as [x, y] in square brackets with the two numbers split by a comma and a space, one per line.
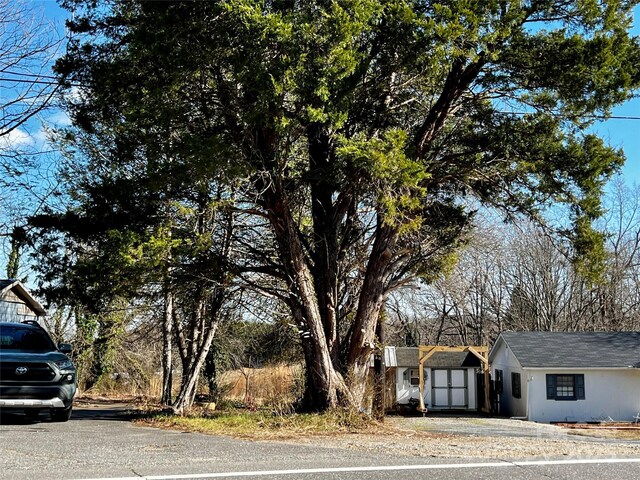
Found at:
[575, 349]
[452, 360]
[408, 357]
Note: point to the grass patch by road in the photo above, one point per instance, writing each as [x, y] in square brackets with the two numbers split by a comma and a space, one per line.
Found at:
[265, 425]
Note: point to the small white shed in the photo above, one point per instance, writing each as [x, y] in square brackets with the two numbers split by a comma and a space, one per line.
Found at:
[451, 379]
[17, 304]
[567, 376]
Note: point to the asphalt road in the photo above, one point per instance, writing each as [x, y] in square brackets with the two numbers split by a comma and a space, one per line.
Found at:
[99, 444]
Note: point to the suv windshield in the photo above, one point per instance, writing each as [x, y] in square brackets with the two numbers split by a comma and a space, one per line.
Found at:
[25, 338]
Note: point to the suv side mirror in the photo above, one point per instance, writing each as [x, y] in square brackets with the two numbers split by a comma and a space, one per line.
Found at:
[65, 347]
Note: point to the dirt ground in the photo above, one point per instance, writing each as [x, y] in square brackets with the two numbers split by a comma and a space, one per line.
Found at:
[479, 437]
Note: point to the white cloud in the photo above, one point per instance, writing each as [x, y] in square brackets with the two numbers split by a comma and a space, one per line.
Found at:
[16, 138]
[75, 94]
[59, 119]
[41, 136]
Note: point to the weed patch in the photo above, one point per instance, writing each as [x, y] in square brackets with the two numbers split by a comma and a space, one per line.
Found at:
[265, 425]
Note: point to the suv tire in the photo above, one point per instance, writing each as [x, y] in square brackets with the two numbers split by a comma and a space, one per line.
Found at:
[61, 414]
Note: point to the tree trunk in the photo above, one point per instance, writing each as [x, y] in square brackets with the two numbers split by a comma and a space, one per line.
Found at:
[211, 375]
[379, 375]
[370, 303]
[187, 394]
[325, 227]
[18, 241]
[325, 384]
[167, 332]
[329, 388]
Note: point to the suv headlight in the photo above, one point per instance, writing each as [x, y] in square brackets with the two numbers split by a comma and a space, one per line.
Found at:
[64, 364]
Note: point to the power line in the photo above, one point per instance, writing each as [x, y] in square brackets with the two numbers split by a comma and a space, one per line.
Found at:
[38, 82]
[616, 117]
[21, 80]
[50, 83]
[34, 75]
[596, 117]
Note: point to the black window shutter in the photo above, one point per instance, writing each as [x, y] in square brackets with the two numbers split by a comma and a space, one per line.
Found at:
[515, 385]
[580, 387]
[551, 387]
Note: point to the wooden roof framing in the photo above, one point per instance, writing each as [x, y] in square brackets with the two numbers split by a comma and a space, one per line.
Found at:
[481, 352]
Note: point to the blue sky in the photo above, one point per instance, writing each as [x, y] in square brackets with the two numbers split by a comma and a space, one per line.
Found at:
[625, 134]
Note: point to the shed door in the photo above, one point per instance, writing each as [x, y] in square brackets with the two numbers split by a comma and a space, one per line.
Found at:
[449, 388]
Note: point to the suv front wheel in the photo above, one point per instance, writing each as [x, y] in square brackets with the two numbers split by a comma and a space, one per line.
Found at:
[61, 414]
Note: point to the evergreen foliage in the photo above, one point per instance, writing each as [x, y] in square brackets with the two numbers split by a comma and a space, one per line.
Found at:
[356, 131]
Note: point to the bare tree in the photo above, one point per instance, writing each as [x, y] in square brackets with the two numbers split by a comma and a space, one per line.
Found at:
[27, 48]
[542, 279]
[619, 294]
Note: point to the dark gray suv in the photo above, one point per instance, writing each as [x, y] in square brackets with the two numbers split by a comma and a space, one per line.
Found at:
[34, 373]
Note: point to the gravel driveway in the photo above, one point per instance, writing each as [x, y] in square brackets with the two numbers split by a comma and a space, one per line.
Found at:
[481, 426]
[479, 437]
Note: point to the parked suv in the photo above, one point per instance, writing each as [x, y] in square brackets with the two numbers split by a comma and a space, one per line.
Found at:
[34, 373]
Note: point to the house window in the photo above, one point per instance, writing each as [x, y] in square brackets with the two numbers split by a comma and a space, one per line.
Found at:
[415, 377]
[498, 385]
[565, 387]
[516, 390]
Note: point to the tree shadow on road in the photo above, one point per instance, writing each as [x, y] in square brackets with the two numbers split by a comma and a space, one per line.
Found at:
[114, 412]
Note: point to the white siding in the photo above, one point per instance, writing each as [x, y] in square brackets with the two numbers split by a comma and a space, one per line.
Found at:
[502, 358]
[608, 393]
[473, 389]
[13, 309]
[404, 390]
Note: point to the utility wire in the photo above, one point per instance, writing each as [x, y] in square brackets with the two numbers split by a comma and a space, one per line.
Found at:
[37, 82]
[596, 117]
[47, 82]
[21, 80]
[22, 74]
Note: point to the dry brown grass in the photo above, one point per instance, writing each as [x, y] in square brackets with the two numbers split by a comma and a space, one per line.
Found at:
[631, 434]
[274, 386]
[124, 387]
[613, 430]
[265, 396]
[261, 386]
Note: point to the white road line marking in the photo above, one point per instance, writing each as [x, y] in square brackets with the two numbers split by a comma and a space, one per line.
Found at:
[382, 468]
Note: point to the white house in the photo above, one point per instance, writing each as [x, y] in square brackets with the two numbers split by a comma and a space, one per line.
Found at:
[17, 304]
[450, 379]
[567, 377]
